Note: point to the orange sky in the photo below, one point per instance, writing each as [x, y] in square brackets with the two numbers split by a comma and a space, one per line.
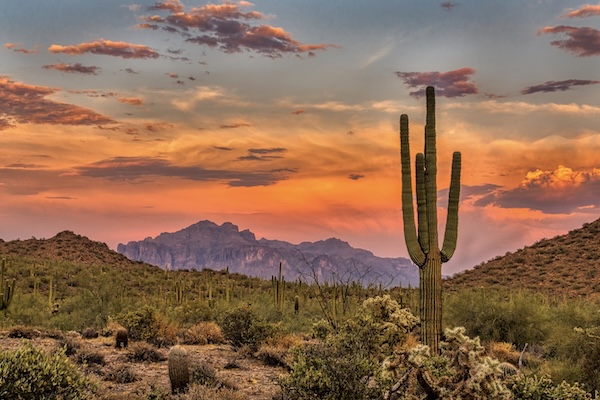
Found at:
[125, 120]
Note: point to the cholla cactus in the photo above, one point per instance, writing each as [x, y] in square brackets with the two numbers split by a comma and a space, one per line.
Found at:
[462, 371]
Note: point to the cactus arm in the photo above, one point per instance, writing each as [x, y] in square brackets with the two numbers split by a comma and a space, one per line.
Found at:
[451, 233]
[431, 171]
[423, 232]
[408, 213]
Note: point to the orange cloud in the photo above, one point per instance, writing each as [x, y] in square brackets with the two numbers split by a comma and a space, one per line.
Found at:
[227, 27]
[107, 47]
[73, 68]
[298, 112]
[23, 103]
[448, 84]
[134, 101]
[19, 49]
[561, 191]
[587, 10]
[583, 42]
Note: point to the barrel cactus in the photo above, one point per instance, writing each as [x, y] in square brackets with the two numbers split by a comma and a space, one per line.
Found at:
[179, 371]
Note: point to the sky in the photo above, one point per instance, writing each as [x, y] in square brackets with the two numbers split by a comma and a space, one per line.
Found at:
[122, 119]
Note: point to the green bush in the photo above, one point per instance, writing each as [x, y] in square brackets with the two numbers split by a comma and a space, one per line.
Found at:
[242, 327]
[542, 388]
[347, 362]
[30, 373]
[141, 324]
[518, 318]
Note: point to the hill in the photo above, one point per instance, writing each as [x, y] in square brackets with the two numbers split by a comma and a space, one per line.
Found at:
[208, 245]
[566, 265]
[68, 247]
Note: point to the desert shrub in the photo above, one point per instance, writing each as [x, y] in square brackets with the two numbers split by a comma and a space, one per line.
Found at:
[203, 333]
[140, 324]
[542, 388]
[23, 332]
[121, 374]
[347, 362]
[87, 356]
[275, 351]
[521, 318]
[30, 373]
[203, 373]
[89, 333]
[200, 392]
[241, 326]
[144, 352]
[70, 345]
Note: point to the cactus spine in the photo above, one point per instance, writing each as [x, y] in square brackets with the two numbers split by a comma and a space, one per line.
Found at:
[179, 373]
[422, 242]
[7, 289]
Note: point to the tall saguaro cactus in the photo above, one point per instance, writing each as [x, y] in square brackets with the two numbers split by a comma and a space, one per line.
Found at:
[422, 241]
[7, 288]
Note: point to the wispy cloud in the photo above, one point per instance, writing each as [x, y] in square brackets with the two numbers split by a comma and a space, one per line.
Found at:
[227, 27]
[454, 83]
[107, 47]
[584, 11]
[355, 177]
[144, 168]
[448, 5]
[553, 86]
[24, 103]
[263, 154]
[561, 191]
[19, 49]
[233, 126]
[73, 68]
[583, 42]
[134, 101]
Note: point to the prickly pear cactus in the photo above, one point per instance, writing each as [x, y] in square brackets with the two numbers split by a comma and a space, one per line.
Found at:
[179, 371]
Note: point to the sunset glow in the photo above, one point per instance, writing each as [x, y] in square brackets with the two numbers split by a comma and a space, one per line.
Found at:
[121, 120]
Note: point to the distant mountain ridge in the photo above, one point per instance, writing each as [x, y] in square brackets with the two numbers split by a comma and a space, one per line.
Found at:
[208, 245]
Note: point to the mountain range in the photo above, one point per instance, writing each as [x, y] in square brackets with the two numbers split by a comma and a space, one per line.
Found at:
[208, 245]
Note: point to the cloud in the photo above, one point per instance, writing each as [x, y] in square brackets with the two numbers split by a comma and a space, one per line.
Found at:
[355, 177]
[107, 47]
[448, 84]
[263, 154]
[583, 42]
[270, 150]
[174, 6]
[233, 126]
[157, 126]
[134, 101]
[553, 86]
[19, 49]
[586, 10]
[23, 103]
[130, 71]
[298, 112]
[561, 191]
[73, 68]
[448, 5]
[227, 27]
[223, 148]
[144, 168]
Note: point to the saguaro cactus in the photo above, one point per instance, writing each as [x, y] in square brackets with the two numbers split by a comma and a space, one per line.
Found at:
[422, 242]
[7, 289]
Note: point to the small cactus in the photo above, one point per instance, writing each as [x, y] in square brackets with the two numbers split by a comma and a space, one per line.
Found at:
[7, 288]
[179, 372]
[122, 338]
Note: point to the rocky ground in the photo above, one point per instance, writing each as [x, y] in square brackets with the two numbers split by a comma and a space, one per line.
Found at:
[248, 377]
